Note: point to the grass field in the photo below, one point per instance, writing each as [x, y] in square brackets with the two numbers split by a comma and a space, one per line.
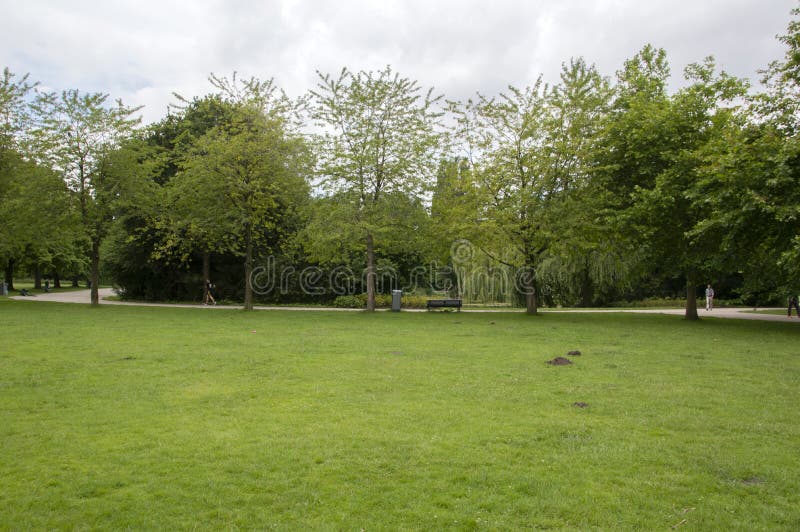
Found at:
[158, 418]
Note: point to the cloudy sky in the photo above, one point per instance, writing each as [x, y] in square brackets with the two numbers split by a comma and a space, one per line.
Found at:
[142, 51]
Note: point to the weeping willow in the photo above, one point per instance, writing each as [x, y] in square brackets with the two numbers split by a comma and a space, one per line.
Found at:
[563, 279]
[483, 280]
[573, 278]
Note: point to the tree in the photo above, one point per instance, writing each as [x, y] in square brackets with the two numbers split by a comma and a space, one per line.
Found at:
[188, 226]
[379, 139]
[242, 181]
[78, 134]
[14, 115]
[334, 245]
[780, 119]
[152, 246]
[666, 201]
[584, 254]
[14, 111]
[532, 152]
[751, 182]
[505, 141]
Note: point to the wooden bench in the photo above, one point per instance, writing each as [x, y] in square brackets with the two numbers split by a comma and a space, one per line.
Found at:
[444, 303]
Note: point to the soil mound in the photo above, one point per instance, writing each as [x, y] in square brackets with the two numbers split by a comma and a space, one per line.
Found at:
[559, 361]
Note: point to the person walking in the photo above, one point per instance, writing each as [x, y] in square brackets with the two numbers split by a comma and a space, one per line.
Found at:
[209, 296]
[709, 298]
[793, 303]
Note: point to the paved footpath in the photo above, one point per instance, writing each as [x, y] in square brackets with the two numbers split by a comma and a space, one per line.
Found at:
[83, 296]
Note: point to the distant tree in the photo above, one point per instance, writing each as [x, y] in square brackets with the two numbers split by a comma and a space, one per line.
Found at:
[751, 183]
[532, 154]
[14, 118]
[781, 114]
[632, 142]
[506, 140]
[455, 204]
[379, 139]
[331, 241]
[188, 225]
[43, 222]
[661, 142]
[243, 180]
[14, 111]
[151, 248]
[80, 136]
[585, 251]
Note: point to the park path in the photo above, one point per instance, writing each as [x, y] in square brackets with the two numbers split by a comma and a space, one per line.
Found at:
[83, 296]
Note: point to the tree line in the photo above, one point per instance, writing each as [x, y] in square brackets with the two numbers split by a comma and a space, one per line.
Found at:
[586, 191]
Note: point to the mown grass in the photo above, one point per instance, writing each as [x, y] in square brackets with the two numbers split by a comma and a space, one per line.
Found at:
[157, 418]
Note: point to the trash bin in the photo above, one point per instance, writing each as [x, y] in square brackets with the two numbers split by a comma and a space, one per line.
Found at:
[3, 289]
[396, 298]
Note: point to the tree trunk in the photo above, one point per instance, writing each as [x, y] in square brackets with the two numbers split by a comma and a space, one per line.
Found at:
[529, 287]
[95, 273]
[9, 274]
[370, 273]
[248, 270]
[56, 279]
[206, 274]
[531, 305]
[691, 297]
[587, 290]
[37, 277]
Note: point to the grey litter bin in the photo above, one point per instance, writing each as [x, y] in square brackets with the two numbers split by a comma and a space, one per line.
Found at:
[396, 298]
[3, 289]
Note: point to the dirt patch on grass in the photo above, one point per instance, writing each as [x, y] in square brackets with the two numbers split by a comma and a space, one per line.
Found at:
[574, 353]
[559, 361]
[580, 404]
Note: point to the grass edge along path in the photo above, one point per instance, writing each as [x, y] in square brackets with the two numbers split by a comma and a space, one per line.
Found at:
[131, 417]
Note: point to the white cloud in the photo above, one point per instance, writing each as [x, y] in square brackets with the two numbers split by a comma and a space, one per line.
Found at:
[144, 51]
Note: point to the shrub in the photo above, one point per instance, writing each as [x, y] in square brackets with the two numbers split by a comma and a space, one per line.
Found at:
[351, 301]
[381, 301]
[414, 301]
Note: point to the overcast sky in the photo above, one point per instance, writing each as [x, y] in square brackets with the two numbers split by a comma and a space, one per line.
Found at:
[142, 51]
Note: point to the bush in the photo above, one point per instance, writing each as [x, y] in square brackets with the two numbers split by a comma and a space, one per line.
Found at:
[381, 301]
[414, 301]
[666, 302]
[351, 301]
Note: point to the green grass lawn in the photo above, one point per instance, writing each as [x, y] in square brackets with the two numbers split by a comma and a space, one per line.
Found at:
[158, 418]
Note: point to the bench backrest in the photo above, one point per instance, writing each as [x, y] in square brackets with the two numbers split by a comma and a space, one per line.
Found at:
[444, 302]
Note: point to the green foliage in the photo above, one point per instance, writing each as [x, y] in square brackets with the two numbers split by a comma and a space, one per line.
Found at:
[671, 135]
[359, 301]
[534, 155]
[241, 179]
[752, 179]
[583, 192]
[378, 133]
[379, 142]
[14, 172]
[351, 301]
[81, 137]
[14, 111]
